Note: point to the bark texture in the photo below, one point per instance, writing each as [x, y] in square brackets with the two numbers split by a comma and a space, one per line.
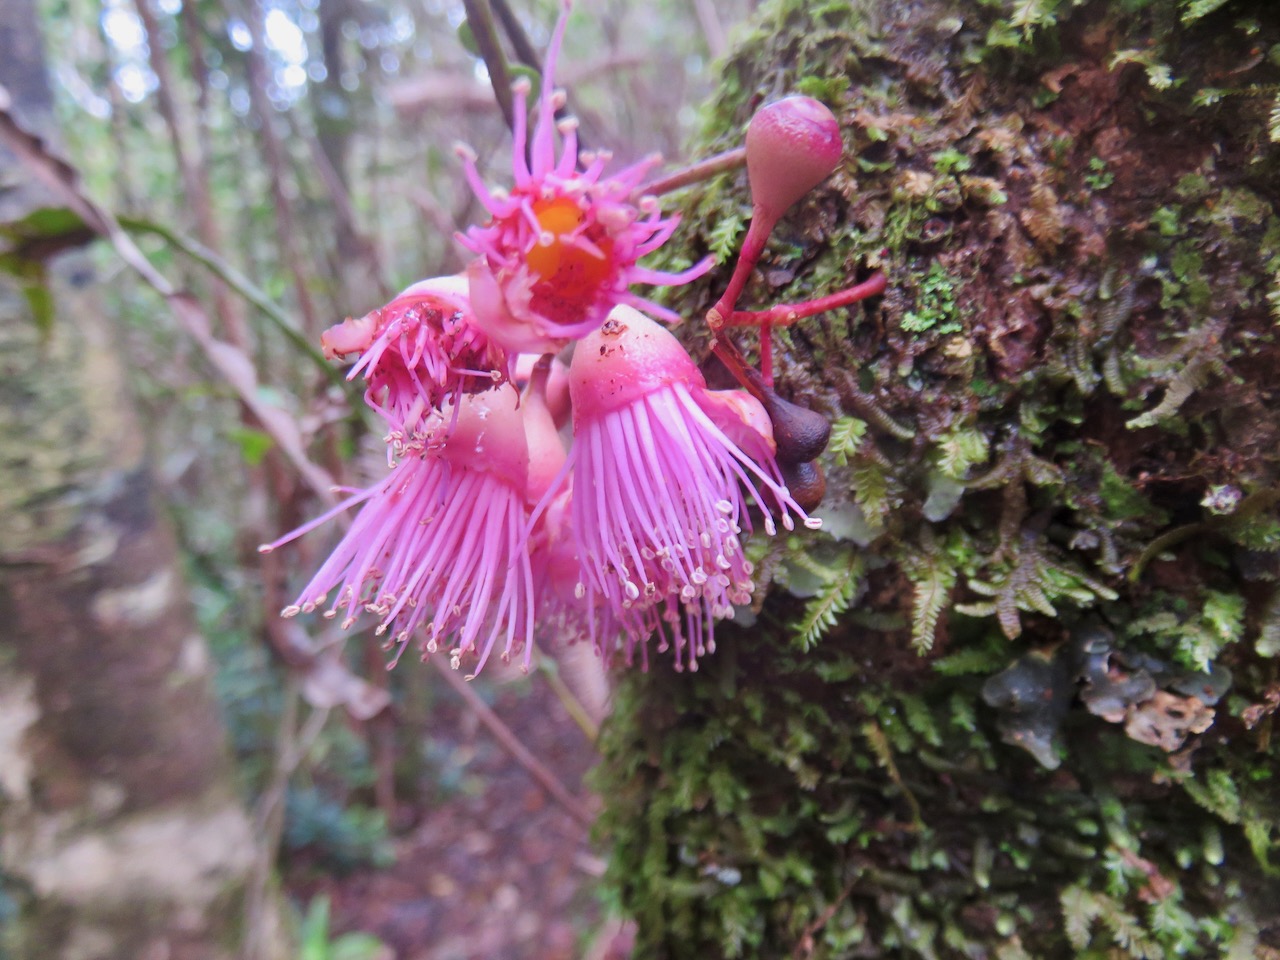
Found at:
[1017, 701]
[122, 836]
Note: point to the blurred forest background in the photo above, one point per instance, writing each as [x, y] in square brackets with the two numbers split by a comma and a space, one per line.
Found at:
[290, 162]
[1040, 718]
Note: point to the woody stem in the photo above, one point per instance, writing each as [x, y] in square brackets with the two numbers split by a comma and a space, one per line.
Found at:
[694, 173]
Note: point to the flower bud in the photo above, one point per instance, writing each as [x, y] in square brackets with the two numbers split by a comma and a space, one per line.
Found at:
[807, 483]
[793, 145]
[801, 434]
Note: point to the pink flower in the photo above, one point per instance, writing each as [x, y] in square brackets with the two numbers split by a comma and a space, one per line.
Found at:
[419, 352]
[563, 616]
[664, 471]
[561, 249]
[440, 542]
[565, 613]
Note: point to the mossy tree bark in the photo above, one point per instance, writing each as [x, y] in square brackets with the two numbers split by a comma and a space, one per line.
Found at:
[1019, 699]
[123, 836]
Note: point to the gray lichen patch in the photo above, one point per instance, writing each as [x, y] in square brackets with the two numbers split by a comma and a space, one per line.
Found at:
[19, 712]
[176, 857]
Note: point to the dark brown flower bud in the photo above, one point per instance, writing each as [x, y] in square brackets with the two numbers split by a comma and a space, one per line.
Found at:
[800, 433]
[806, 482]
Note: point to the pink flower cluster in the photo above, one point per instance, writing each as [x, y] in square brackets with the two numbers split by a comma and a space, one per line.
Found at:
[489, 531]
[561, 247]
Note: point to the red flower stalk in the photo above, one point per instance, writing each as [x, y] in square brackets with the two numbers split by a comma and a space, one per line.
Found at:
[793, 145]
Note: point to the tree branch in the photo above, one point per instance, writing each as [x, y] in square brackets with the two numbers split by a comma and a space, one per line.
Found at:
[486, 38]
[511, 743]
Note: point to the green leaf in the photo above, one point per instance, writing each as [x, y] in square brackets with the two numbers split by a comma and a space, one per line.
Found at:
[870, 489]
[46, 231]
[40, 300]
[1217, 794]
[467, 38]
[1193, 10]
[827, 89]
[984, 660]
[315, 930]
[1268, 642]
[722, 241]
[46, 222]
[254, 444]
[358, 946]
[518, 70]
[960, 450]
[933, 575]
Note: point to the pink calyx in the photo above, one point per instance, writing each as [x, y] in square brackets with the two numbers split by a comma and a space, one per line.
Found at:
[546, 450]
[489, 436]
[628, 357]
[556, 389]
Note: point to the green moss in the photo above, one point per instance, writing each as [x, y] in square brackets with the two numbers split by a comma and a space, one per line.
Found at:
[1031, 426]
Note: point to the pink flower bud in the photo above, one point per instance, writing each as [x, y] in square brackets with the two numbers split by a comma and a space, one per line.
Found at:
[792, 146]
[628, 358]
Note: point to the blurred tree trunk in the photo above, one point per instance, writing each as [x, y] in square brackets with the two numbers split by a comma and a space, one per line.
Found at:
[1018, 699]
[356, 258]
[123, 834]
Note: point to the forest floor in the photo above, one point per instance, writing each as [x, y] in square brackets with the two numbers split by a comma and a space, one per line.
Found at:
[492, 868]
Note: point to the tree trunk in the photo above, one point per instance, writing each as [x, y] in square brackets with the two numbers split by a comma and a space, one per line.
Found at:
[1018, 699]
[123, 837]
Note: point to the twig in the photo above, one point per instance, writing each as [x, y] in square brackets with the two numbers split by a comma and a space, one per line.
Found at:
[694, 173]
[125, 194]
[243, 286]
[193, 36]
[268, 824]
[192, 169]
[380, 734]
[712, 28]
[273, 152]
[357, 243]
[291, 747]
[486, 38]
[511, 743]
[525, 52]
[572, 705]
[804, 946]
[442, 220]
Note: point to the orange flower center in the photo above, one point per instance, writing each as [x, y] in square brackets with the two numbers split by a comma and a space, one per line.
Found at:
[575, 272]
